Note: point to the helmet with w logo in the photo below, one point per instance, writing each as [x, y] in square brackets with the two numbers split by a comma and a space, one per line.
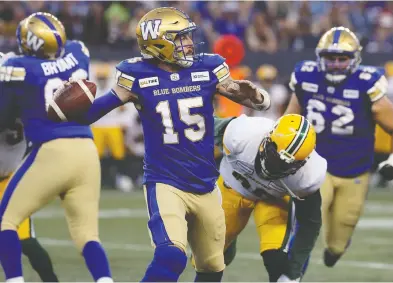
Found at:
[286, 148]
[41, 35]
[167, 34]
[338, 54]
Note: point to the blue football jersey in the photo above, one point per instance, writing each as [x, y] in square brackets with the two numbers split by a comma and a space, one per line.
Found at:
[176, 111]
[341, 115]
[31, 83]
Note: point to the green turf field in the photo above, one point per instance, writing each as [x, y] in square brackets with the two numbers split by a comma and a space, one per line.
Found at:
[125, 237]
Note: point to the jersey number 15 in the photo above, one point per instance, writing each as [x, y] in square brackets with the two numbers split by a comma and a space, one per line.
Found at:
[171, 136]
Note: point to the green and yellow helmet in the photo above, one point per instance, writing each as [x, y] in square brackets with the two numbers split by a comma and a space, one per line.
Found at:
[164, 33]
[338, 53]
[287, 147]
[41, 35]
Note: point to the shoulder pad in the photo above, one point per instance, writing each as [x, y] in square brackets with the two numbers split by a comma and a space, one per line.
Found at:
[130, 66]
[12, 70]
[212, 60]
[312, 174]
[372, 80]
[125, 72]
[302, 72]
[217, 65]
[77, 45]
[306, 67]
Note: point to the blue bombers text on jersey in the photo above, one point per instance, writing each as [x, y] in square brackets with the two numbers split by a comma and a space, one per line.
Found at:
[341, 114]
[176, 111]
[28, 83]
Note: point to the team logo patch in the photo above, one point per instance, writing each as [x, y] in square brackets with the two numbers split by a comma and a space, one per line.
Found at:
[175, 77]
[33, 41]
[150, 28]
[351, 93]
[310, 87]
[153, 81]
[200, 76]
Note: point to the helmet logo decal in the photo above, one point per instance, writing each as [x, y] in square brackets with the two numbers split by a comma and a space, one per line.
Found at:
[151, 28]
[33, 41]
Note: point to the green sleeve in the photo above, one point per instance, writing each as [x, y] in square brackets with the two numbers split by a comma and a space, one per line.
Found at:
[308, 216]
[220, 124]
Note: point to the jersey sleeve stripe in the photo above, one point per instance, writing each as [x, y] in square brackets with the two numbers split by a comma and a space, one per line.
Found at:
[223, 78]
[124, 81]
[12, 74]
[378, 90]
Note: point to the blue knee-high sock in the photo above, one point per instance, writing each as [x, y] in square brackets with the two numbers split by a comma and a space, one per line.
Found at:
[167, 265]
[96, 260]
[10, 254]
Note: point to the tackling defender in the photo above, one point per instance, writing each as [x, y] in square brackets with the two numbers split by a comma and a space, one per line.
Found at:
[271, 168]
[343, 100]
[172, 87]
[61, 152]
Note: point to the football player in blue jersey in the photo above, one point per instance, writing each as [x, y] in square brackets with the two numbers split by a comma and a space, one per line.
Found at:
[172, 87]
[12, 150]
[60, 153]
[343, 100]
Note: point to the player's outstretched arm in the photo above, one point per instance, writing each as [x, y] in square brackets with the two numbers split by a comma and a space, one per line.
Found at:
[308, 215]
[293, 106]
[106, 103]
[245, 93]
[383, 114]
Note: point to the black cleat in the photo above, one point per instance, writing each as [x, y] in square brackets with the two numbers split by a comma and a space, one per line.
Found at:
[330, 258]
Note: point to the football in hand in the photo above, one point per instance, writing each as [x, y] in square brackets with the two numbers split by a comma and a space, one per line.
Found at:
[72, 101]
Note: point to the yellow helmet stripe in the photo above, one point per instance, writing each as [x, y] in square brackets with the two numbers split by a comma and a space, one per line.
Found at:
[300, 137]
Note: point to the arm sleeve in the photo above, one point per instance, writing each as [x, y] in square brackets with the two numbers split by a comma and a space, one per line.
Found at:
[100, 107]
[379, 89]
[308, 216]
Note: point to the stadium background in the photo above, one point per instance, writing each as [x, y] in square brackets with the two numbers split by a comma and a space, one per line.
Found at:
[275, 36]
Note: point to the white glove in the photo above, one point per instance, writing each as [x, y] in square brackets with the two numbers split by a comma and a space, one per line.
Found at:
[385, 168]
[284, 278]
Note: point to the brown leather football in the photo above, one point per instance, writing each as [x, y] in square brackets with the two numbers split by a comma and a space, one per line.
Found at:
[72, 101]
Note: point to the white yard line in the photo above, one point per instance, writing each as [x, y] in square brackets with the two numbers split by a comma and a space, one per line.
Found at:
[368, 223]
[246, 256]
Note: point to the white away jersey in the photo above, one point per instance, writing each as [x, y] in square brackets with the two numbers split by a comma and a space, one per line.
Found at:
[242, 139]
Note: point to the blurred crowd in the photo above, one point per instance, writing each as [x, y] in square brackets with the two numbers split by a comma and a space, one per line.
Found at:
[265, 26]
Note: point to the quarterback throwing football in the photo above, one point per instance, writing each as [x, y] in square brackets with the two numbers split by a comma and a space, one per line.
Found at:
[172, 86]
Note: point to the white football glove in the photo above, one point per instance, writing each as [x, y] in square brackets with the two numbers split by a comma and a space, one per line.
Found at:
[284, 278]
[385, 168]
